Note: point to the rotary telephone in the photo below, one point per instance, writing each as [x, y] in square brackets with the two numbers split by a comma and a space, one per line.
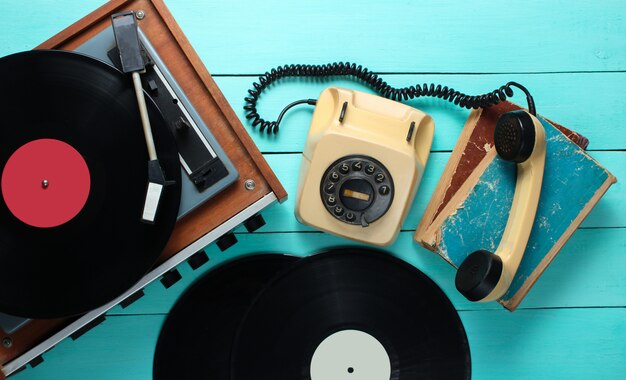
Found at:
[362, 164]
[365, 155]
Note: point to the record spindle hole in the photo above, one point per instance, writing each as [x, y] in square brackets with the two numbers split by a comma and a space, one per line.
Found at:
[336, 315]
[340, 353]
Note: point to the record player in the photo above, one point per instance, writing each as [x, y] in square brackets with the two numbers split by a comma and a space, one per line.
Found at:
[222, 180]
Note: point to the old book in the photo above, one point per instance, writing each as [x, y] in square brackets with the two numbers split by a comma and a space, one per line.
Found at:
[470, 205]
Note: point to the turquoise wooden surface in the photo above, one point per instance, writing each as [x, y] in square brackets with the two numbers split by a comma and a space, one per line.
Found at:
[571, 55]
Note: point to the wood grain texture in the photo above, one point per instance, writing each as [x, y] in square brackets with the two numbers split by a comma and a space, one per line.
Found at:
[409, 36]
[445, 36]
[572, 55]
[527, 344]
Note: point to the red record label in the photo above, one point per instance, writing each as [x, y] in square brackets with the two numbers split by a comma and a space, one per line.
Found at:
[45, 183]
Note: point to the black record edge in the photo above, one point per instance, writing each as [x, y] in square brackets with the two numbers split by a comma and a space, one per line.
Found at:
[196, 338]
[350, 252]
[97, 285]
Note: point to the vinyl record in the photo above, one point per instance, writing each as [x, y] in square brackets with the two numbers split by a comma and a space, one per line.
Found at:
[353, 314]
[196, 339]
[73, 167]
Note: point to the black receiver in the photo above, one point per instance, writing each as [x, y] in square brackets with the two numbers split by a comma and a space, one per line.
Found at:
[484, 276]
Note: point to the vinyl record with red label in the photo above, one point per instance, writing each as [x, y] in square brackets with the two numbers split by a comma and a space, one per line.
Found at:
[73, 180]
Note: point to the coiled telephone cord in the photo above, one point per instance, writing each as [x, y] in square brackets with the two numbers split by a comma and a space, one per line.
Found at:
[373, 81]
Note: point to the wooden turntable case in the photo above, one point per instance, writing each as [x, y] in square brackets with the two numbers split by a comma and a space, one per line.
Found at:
[167, 38]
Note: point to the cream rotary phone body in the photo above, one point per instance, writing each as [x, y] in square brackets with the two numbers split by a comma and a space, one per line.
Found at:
[362, 164]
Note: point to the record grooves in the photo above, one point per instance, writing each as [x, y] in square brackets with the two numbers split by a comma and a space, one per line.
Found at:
[351, 289]
[196, 339]
[90, 258]
[352, 313]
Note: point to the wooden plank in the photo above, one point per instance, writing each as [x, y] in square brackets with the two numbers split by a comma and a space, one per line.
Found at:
[448, 36]
[529, 344]
[443, 36]
[577, 278]
[558, 96]
[611, 210]
[596, 114]
[121, 348]
[547, 344]
[26, 27]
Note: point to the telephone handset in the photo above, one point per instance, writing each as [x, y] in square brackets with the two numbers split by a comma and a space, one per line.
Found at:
[362, 164]
[484, 276]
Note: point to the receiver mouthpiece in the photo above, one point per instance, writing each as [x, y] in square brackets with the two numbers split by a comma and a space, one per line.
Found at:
[514, 136]
[478, 275]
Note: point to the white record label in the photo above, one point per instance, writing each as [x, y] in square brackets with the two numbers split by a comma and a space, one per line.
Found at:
[350, 355]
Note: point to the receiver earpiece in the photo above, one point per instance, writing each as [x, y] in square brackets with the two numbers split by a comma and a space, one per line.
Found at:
[519, 137]
[514, 136]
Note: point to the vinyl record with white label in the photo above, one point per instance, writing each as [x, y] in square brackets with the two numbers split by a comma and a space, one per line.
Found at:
[351, 314]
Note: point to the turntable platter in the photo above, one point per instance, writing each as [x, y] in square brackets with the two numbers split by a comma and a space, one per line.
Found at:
[73, 166]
